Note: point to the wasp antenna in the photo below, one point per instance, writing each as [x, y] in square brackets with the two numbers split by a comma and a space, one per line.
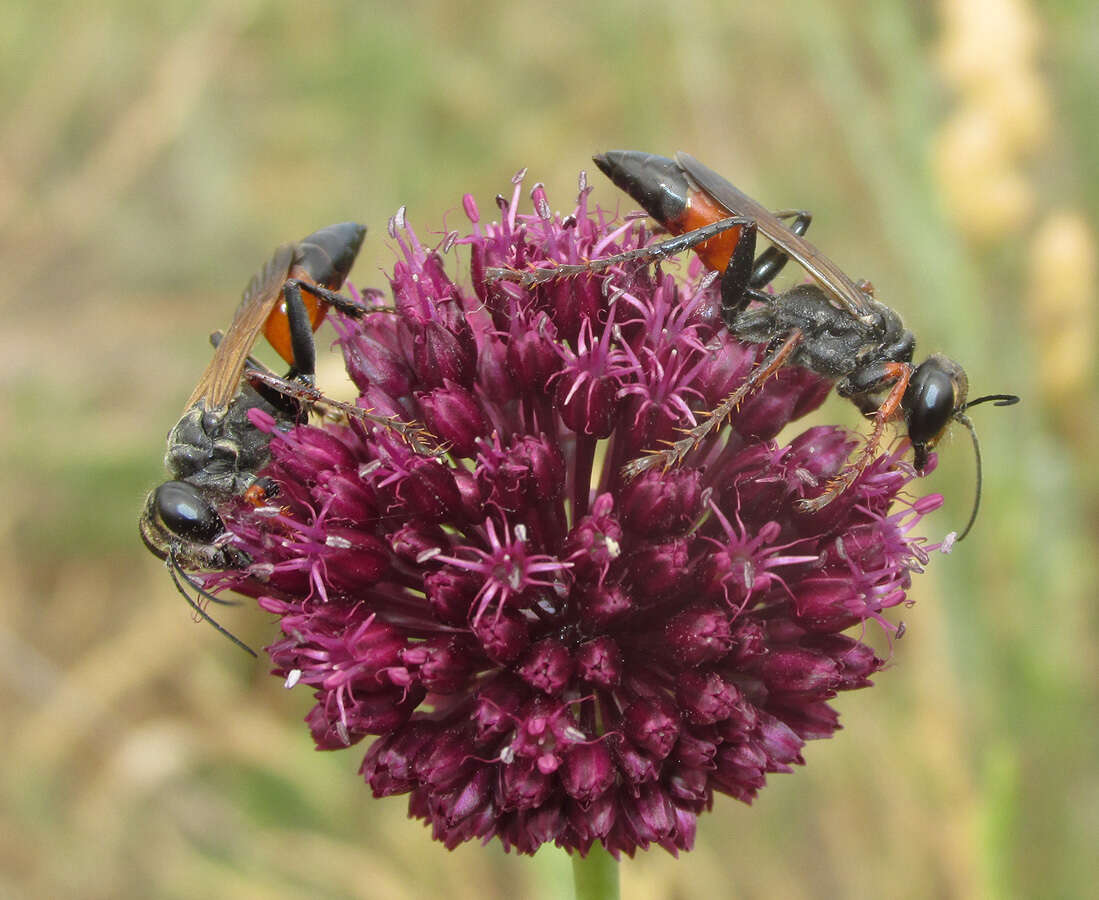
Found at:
[964, 419]
[997, 400]
[177, 573]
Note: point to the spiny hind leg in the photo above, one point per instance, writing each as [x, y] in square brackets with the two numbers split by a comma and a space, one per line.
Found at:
[307, 396]
[777, 356]
[888, 410]
[651, 253]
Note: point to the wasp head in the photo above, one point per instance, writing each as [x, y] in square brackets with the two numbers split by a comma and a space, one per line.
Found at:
[936, 394]
[181, 525]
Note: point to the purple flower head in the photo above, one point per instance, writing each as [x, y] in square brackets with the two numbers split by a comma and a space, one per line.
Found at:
[543, 650]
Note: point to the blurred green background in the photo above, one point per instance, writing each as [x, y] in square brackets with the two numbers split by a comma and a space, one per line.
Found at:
[151, 157]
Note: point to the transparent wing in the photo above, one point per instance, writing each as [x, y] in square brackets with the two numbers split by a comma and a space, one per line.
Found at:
[825, 272]
[221, 380]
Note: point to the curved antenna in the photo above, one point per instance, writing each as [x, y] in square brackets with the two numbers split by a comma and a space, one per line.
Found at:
[964, 419]
[996, 400]
[177, 573]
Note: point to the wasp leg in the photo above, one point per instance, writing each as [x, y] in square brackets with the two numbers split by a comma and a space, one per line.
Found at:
[250, 362]
[736, 292]
[770, 261]
[670, 247]
[898, 372]
[747, 274]
[306, 395]
[269, 385]
[776, 357]
[277, 398]
[177, 573]
[872, 379]
[344, 304]
[302, 345]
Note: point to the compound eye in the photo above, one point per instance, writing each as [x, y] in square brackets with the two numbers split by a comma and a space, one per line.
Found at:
[185, 512]
[929, 402]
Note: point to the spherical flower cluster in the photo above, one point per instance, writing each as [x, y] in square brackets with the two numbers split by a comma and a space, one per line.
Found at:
[544, 650]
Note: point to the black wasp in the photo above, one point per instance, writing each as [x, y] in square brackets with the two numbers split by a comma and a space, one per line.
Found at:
[214, 451]
[834, 326]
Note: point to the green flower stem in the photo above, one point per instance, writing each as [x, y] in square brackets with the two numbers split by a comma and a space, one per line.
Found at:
[595, 875]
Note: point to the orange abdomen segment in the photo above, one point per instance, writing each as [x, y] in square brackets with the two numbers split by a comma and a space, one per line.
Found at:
[277, 329]
[702, 210]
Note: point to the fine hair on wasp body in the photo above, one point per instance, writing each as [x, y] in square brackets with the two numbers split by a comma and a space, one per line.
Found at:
[832, 325]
